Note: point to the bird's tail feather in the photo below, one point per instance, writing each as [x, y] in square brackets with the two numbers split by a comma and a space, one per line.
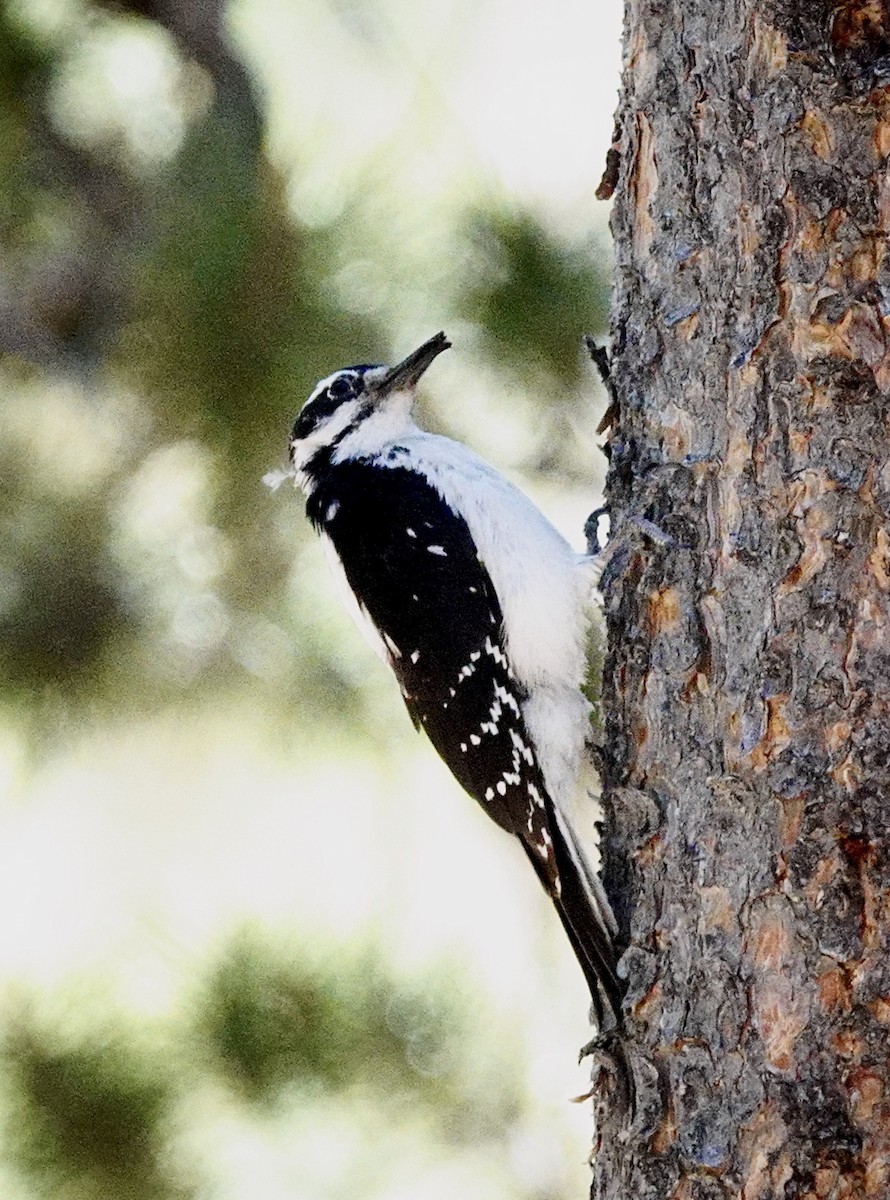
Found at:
[592, 883]
[588, 921]
[590, 925]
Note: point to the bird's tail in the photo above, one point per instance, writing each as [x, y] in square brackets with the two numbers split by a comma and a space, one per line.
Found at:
[590, 925]
[587, 918]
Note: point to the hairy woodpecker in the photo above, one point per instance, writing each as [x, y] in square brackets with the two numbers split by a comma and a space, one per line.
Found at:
[482, 611]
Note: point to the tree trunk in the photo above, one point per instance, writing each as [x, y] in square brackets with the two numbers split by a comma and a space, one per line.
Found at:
[748, 760]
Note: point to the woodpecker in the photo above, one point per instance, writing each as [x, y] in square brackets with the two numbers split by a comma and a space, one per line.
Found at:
[480, 608]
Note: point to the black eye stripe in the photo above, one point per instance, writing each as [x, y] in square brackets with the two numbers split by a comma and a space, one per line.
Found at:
[343, 387]
[314, 413]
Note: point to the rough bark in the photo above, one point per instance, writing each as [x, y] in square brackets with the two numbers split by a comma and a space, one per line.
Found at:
[748, 682]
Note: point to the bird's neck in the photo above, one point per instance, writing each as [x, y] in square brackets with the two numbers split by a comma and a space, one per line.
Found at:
[372, 437]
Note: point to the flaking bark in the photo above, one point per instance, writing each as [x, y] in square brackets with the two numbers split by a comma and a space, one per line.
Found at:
[748, 680]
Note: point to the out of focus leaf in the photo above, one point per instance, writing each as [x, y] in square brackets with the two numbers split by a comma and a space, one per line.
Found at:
[86, 1116]
[534, 295]
[273, 1022]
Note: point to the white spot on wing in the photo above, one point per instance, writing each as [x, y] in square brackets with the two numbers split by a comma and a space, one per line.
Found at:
[440, 550]
[521, 747]
[332, 510]
[496, 653]
[507, 697]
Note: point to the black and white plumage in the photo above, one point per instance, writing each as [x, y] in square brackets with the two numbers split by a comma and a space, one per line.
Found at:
[480, 608]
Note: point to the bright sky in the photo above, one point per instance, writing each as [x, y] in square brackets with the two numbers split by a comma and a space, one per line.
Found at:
[517, 99]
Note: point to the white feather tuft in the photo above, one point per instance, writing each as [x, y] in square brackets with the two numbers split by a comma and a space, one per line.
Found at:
[274, 479]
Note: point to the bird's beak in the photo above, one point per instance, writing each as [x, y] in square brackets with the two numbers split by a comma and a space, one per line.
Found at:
[406, 373]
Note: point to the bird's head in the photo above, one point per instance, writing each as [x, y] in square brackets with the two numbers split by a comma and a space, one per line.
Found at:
[365, 404]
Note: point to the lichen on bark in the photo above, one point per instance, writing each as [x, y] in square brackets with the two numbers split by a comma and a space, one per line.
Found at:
[747, 685]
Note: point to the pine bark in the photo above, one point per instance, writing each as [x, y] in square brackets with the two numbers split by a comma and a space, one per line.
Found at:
[748, 679]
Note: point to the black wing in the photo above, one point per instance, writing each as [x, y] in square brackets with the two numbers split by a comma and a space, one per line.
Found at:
[414, 565]
[411, 560]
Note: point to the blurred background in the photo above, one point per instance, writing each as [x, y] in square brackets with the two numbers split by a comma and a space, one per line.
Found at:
[256, 942]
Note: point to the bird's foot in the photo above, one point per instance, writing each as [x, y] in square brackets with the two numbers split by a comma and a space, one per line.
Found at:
[595, 546]
[611, 1066]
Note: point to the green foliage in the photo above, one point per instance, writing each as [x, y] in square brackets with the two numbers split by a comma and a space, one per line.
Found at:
[24, 67]
[273, 1022]
[59, 607]
[91, 1108]
[534, 295]
[86, 1115]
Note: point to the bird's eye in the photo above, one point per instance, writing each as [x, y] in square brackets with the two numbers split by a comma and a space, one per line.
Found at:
[342, 388]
